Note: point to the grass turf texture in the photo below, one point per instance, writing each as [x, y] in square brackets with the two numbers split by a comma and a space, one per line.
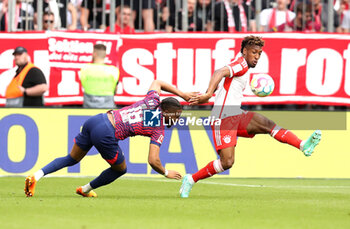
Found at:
[155, 203]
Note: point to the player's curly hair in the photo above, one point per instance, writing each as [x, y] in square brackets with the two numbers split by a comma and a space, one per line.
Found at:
[252, 40]
[170, 104]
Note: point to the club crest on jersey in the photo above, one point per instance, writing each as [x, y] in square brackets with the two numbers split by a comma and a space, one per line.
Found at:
[227, 139]
[151, 118]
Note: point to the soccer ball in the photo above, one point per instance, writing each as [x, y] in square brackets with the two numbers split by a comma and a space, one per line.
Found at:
[262, 85]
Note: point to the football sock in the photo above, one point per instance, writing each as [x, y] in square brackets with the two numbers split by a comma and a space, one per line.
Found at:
[211, 169]
[285, 136]
[302, 145]
[58, 164]
[87, 188]
[38, 174]
[106, 177]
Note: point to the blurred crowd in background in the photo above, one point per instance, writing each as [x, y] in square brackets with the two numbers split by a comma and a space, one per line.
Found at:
[138, 16]
[135, 16]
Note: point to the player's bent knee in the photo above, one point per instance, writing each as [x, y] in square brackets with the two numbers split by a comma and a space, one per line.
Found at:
[266, 126]
[69, 160]
[122, 172]
[120, 167]
[270, 124]
[227, 163]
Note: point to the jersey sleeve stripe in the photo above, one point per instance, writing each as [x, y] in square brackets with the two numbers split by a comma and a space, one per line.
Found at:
[155, 143]
[231, 73]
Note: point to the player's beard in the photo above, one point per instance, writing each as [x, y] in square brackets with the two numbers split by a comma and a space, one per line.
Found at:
[252, 65]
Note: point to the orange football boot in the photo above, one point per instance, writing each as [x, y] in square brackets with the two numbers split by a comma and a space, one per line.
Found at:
[29, 187]
[79, 191]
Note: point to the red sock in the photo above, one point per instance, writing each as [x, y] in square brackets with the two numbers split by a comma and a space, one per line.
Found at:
[211, 169]
[285, 136]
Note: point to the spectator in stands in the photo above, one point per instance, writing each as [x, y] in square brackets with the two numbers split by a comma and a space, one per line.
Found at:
[24, 12]
[342, 6]
[92, 18]
[160, 15]
[123, 22]
[146, 12]
[168, 11]
[48, 21]
[3, 11]
[99, 80]
[203, 10]
[194, 24]
[234, 17]
[303, 20]
[28, 85]
[59, 8]
[277, 19]
[345, 25]
[71, 18]
[321, 16]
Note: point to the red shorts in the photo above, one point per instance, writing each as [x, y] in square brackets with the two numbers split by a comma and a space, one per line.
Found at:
[225, 135]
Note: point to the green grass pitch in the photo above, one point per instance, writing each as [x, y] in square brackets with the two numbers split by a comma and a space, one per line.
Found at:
[155, 203]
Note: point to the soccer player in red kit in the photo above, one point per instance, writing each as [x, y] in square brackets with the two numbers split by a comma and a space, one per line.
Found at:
[105, 130]
[236, 122]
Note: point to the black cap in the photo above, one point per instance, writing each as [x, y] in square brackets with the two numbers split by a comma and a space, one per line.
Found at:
[19, 50]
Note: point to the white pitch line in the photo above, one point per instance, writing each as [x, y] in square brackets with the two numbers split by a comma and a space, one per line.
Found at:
[275, 186]
[254, 185]
[215, 183]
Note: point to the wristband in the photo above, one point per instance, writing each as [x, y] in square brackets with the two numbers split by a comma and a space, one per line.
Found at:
[166, 173]
[25, 92]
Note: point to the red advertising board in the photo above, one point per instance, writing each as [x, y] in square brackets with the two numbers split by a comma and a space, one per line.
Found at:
[306, 68]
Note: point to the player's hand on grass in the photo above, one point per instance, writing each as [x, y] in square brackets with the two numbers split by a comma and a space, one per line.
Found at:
[187, 96]
[199, 99]
[174, 175]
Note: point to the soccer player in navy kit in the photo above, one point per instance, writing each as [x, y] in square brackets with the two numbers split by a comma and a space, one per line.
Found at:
[105, 130]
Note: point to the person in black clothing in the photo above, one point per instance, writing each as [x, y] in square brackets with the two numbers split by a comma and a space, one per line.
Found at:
[194, 23]
[92, 18]
[203, 9]
[28, 85]
[232, 16]
[60, 8]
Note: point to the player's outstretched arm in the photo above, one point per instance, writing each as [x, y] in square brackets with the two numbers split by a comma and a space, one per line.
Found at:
[154, 161]
[213, 84]
[158, 85]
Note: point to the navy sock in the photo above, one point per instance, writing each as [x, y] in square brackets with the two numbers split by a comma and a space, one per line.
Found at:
[106, 177]
[58, 164]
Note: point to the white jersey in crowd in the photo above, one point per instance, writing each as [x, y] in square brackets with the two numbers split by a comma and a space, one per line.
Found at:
[229, 95]
[281, 17]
